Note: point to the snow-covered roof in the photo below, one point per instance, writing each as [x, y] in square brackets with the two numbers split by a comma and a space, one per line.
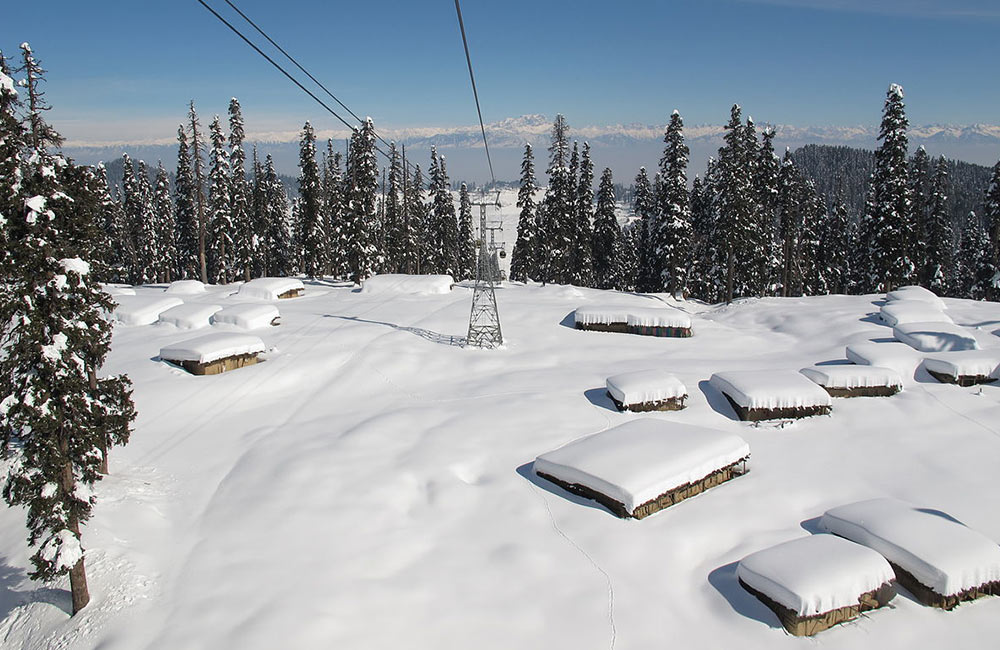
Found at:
[941, 553]
[935, 337]
[645, 386]
[657, 317]
[911, 311]
[269, 288]
[189, 316]
[403, 283]
[142, 310]
[770, 389]
[601, 314]
[816, 574]
[849, 376]
[919, 294]
[898, 356]
[983, 363]
[185, 288]
[212, 347]
[642, 459]
[248, 316]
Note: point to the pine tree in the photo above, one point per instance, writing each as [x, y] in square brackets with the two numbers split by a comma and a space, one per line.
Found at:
[992, 211]
[735, 205]
[166, 226]
[606, 247]
[673, 234]
[220, 219]
[200, 203]
[11, 140]
[766, 185]
[309, 225]
[977, 273]
[557, 228]
[790, 208]
[360, 251]
[277, 245]
[921, 182]
[582, 263]
[649, 270]
[113, 259]
[242, 253]
[836, 243]
[939, 238]
[186, 211]
[135, 212]
[522, 260]
[442, 250]
[413, 224]
[810, 252]
[147, 241]
[466, 246]
[394, 233]
[333, 210]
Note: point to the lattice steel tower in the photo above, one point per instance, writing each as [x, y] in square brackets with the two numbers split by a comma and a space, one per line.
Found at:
[484, 321]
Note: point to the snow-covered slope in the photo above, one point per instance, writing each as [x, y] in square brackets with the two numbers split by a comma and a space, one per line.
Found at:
[368, 485]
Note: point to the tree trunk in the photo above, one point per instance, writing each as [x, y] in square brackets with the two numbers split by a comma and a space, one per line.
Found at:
[77, 575]
[78, 586]
[729, 275]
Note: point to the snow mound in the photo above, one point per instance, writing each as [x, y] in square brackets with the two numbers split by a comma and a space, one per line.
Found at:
[770, 389]
[657, 317]
[601, 315]
[143, 310]
[645, 386]
[816, 574]
[852, 376]
[212, 347]
[185, 288]
[919, 294]
[935, 337]
[965, 363]
[118, 290]
[270, 288]
[640, 460]
[898, 356]
[911, 311]
[402, 283]
[189, 316]
[938, 551]
[249, 316]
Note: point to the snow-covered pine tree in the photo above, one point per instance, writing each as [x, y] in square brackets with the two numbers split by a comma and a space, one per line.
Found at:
[939, 237]
[672, 239]
[992, 211]
[200, 202]
[277, 244]
[113, 233]
[556, 232]
[735, 206]
[766, 184]
[393, 217]
[790, 209]
[311, 234]
[810, 254]
[11, 140]
[977, 273]
[242, 253]
[648, 272]
[442, 250]
[755, 278]
[134, 213]
[220, 219]
[148, 252]
[836, 243]
[583, 263]
[607, 244]
[888, 203]
[629, 256]
[361, 254]
[333, 210]
[921, 182]
[706, 279]
[414, 223]
[522, 259]
[166, 226]
[186, 211]
[466, 245]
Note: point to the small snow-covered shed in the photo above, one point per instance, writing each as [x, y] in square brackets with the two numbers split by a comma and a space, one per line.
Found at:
[935, 337]
[144, 309]
[647, 390]
[602, 318]
[189, 316]
[937, 559]
[272, 288]
[213, 354]
[964, 367]
[185, 288]
[646, 465]
[919, 294]
[850, 380]
[646, 321]
[248, 316]
[897, 312]
[891, 354]
[771, 394]
[813, 583]
[410, 284]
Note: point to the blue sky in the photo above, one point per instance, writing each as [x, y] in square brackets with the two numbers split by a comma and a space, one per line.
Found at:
[118, 69]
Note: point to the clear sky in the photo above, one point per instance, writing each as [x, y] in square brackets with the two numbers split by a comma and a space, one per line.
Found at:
[119, 69]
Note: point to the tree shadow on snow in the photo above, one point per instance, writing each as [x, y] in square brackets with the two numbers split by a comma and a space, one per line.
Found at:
[724, 581]
[10, 598]
[599, 397]
[527, 473]
[429, 335]
[717, 400]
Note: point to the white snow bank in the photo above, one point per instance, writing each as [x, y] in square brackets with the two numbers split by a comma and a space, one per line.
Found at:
[911, 311]
[965, 363]
[402, 283]
[645, 386]
[641, 459]
[269, 288]
[118, 290]
[657, 317]
[849, 376]
[601, 315]
[249, 316]
[212, 347]
[919, 294]
[816, 574]
[935, 337]
[142, 310]
[189, 316]
[941, 553]
[898, 356]
[185, 288]
[770, 389]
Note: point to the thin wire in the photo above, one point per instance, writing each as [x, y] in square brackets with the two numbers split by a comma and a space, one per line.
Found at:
[475, 94]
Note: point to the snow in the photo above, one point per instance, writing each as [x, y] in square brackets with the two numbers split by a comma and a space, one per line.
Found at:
[645, 386]
[142, 310]
[35, 203]
[189, 316]
[898, 356]
[53, 352]
[212, 347]
[911, 311]
[852, 376]
[248, 316]
[75, 265]
[269, 288]
[402, 283]
[935, 337]
[601, 315]
[770, 389]
[654, 317]
[63, 550]
[918, 294]
[185, 288]
[816, 574]
[7, 84]
[940, 552]
[118, 290]
[638, 461]
[982, 363]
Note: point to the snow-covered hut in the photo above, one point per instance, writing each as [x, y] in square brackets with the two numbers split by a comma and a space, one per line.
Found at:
[213, 354]
[897, 312]
[646, 465]
[189, 316]
[771, 394]
[645, 321]
[935, 337]
[891, 354]
[813, 583]
[964, 367]
[919, 294]
[647, 390]
[602, 318]
[247, 315]
[850, 380]
[143, 310]
[185, 288]
[272, 288]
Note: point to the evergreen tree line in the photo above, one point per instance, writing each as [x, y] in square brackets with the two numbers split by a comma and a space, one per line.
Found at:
[59, 415]
[222, 222]
[757, 225]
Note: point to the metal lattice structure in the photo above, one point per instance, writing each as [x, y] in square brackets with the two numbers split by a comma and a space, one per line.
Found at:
[484, 321]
